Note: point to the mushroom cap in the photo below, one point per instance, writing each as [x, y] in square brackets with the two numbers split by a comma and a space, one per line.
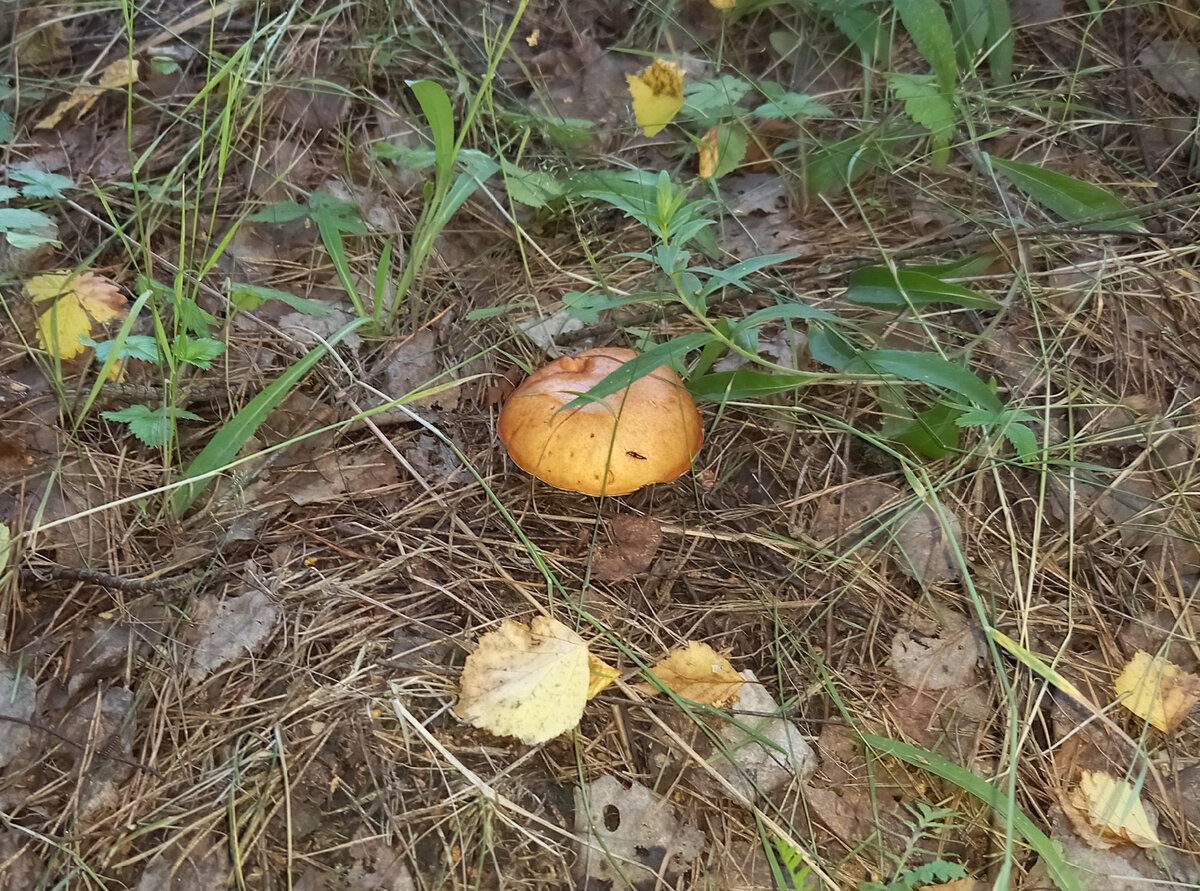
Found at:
[645, 433]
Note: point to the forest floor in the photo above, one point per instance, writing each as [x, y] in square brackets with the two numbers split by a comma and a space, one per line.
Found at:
[264, 296]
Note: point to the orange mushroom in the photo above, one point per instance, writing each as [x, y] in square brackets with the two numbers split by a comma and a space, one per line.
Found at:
[645, 433]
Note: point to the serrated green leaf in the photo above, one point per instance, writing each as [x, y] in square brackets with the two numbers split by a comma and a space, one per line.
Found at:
[931, 108]
[714, 99]
[879, 286]
[926, 23]
[150, 425]
[136, 346]
[22, 219]
[198, 351]
[40, 183]
[784, 104]
[1070, 198]
[1008, 812]
[533, 188]
[7, 193]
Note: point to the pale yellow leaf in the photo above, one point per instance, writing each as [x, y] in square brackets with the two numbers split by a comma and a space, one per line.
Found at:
[79, 301]
[600, 675]
[1157, 691]
[709, 153]
[723, 4]
[120, 73]
[699, 673]
[528, 681]
[1113, 810]
[657, 95]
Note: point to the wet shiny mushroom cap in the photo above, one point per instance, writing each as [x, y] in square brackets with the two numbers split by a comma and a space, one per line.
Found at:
[645, 433]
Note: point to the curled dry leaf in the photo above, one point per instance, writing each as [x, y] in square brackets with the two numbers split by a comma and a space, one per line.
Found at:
[528, 681]
[120, 73]
[635, 541]
[1110, 811]
[698, 673]
[1157, 691]
[77, 300]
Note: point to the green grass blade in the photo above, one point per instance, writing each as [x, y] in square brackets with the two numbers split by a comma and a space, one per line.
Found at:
[228, 441]
[1070, 198]
[1065, 876]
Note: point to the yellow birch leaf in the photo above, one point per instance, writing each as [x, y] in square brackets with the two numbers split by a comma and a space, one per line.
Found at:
[1113, 810]
[698, 673]
[120, 73]
[528, 681]
[79, 300]
[600, 675]
[709, 154]
[1157, 691]
[657, 95]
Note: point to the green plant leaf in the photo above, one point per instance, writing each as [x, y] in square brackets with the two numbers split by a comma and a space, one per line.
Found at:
[533, 188]
[5, 549]
[40, 183]
[934, 433]
[250, 297]
[150, 425]
[18, 219]
[732, 141]
[829, 346]
[7, 193]
[1070, 198]
[926, 23]
[440, 114]
[713, 99]
[198, 351]
[136, 346]
[745, 383]
[224, 446]
[926, 368]
[783, 104]
[879, 286]
[929, 107]
[282, 212]
[665, 353]
[779, 313]
[1061, 872]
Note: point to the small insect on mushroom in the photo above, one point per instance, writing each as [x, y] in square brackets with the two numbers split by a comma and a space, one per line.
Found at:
[645, 433]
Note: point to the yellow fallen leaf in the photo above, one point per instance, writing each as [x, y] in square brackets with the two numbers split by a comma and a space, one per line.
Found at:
[120, 73]
[1113, 810]
[600, 675]
[709, 154]
[1157, 691]
[723, 4]
[79, 299]
[528, 681]
[657, 95]
[698, 673]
